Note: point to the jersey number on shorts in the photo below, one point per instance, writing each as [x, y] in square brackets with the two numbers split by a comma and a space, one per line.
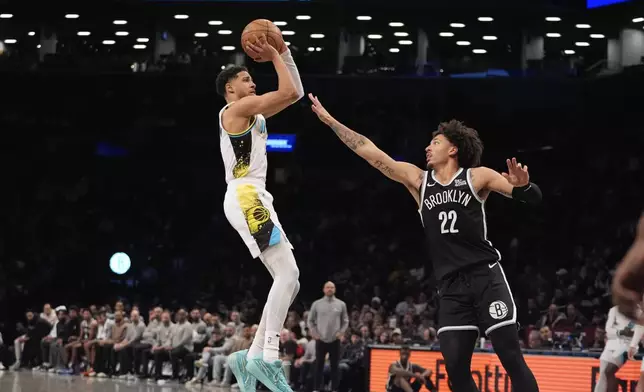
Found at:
[448, 219]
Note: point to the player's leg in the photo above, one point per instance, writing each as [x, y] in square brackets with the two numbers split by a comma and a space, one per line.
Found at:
[610, 362]
[498, 313]
[457, 347]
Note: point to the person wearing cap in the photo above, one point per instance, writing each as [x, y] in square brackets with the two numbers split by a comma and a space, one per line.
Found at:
[328, 321]
[396, 337]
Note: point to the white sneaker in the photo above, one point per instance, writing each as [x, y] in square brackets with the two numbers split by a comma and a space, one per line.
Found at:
[124, 377]
[52, 370]
[161, 382]
[234, 386]
[45, 365]
[194, 380]
[15, 366]
[2, 367]
[101, 375]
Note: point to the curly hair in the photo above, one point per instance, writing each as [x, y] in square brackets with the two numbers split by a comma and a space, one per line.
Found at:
[229, 73]
[467, 140]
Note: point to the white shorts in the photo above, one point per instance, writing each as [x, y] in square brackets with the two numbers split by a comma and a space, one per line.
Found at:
[615, 356]
[249, 209]
[642, 367]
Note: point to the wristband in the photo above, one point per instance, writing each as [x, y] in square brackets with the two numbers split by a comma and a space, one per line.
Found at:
[530, 193]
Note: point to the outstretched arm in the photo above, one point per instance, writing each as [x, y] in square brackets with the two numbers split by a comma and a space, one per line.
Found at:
[402, 172]
[513, 184]
[627, 283]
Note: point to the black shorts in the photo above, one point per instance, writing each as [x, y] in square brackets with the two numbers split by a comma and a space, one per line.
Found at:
[415, 386]
[476, 298]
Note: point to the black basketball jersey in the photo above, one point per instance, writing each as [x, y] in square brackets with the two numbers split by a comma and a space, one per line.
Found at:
[453, 217]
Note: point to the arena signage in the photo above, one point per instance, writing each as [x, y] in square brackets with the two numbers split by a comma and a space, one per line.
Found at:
[554, 373]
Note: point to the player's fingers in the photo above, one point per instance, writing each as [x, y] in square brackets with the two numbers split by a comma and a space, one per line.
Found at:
[262, 40]
[253, 49]
[505, 175]
[514, 162]
[525, 168]
[509, 163]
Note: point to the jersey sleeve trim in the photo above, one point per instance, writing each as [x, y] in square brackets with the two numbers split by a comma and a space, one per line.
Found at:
[423, 185]
[239, 134]
[469, 182]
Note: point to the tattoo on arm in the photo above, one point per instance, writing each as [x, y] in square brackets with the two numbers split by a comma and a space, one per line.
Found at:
[352, 139]
[380, 165]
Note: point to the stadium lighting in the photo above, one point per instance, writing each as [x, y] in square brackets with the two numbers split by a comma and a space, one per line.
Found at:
[181, 16]
[84, 33]
[396, 24]
[405, 42]
[38, 46]
[394, 50]
[485, 19]
[224, 32]
[10, 41]
[120, 22]
[228, 48]
[72, 16]
[143, 40]
[582, 43]
[401, 34]
[479, 51]
[288, 32]
[374, 36]
[139, 46]
[215, 23]
[122, 33]
[280, 23]
[287, 43]
[311, 49]
[109, 42]
[201, 35]
[463, 43]
[318, 49]
[6, 16]
[638, 20]
[597, 36]
[553, 35]
[457, 25]
[363, 17]
[303, 17]
[489, 38]
[32, 33]
[569, 51]
[553, 19]
[582, 26]
[317, 35]
[446, 34]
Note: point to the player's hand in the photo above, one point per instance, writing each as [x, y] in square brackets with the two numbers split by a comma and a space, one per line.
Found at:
[517, 174]
[260, 50]
[631, 352]
[318, 109]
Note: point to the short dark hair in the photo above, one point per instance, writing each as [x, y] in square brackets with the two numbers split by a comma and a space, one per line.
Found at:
[229, 73]
[467, 140]
[404, 347]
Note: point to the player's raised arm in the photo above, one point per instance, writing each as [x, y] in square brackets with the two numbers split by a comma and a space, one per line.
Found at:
[514, 184]
[275, 101]
[402, 172]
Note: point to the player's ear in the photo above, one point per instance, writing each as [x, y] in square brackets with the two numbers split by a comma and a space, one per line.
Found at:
[229, 88]
[453, 150]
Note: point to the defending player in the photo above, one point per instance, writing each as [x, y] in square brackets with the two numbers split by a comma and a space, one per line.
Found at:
[451, 198]
[249, 208]
[628, 282]
[623, 338]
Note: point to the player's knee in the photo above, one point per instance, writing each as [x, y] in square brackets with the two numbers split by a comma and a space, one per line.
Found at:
[457, 366]
[297, 288]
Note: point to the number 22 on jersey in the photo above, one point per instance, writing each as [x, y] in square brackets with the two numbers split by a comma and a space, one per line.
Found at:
[448, 222]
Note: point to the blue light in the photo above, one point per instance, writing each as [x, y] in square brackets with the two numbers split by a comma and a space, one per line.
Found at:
[280, 142]
[601, 3]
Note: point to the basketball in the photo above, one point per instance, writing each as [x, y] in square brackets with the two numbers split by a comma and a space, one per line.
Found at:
[265, 27]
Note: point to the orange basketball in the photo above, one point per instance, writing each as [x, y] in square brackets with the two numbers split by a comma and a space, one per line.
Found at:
[264, 27]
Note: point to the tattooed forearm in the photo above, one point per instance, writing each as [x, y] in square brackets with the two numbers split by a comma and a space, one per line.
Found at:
[386, 170]
[352, 139]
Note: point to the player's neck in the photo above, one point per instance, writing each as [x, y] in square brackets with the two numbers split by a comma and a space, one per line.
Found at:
[444, 173]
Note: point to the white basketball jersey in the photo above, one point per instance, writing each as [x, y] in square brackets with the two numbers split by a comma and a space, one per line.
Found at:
[617, 322]
[244, 153]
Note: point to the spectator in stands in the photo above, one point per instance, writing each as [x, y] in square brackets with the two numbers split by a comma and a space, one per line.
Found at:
[287, 352]
[408, 329]
[71, 337]
[86, 334]
[125, 350]
[27, 346]
[406, 306]
[215, 355]
[534, 340]
[547, 340]
[199, 335]
[365, 335]
[396, 337]
[305, 363]
[574, 319]
[405, 376]
[235, 319]
[163, 345]
[49, 315]
[105, 361]
[100, 332]
[552, 317]
[530, 314]
[599, 340]
[52, 345]
[141, 350]
[430, 337]
[351, 363]
[383, 338]
[242, 342]
[181, 342]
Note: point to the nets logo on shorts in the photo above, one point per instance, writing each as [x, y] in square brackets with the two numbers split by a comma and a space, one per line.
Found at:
[498, 310]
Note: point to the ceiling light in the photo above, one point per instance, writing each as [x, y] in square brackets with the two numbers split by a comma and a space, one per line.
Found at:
[489, 38]
[201, 35]
[120, 22]
[311, 49]
[582, 26]
[6, 16]
[553, 35]
[479, 51]
[582, 43]
[318, 49]
[396, 24]
[10, 41]
[38, 46]
[553, 19]
[72, 16]
[363, 17]
[463, 43]
[288, 32]
[280, 23]
[446, 34]
[394, 50]
[303, 17]
[374, 36]
[485, 19]
[143, 40]
[401, 34]
[287, 43]
[457, 25]
[122, 33]
[637, 20]
[224, 32]
[405, 42]
[109, 42]
[139, 46]
[215, 23]
[317, 35]
[223, 67]
[181, 16]
[597, 36]
[227, 48]
[32, 33]
[84, 33]
[569, 51]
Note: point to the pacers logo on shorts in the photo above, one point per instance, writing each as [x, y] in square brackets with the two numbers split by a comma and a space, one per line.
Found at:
[498, 310]
[256, 216]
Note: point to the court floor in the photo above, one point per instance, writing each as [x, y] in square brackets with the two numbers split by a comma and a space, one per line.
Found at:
[27, 381]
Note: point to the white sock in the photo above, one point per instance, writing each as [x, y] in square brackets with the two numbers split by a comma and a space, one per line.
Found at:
[271, 346]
